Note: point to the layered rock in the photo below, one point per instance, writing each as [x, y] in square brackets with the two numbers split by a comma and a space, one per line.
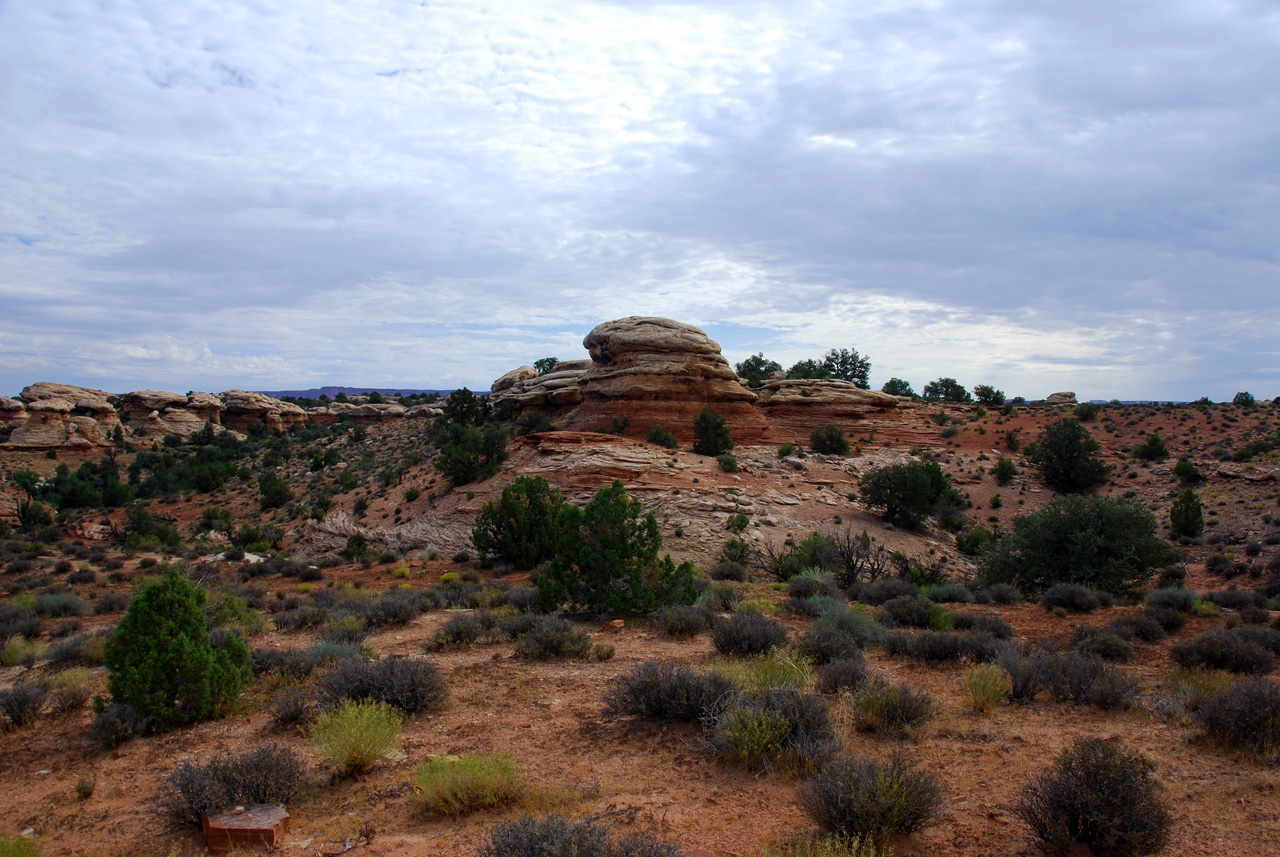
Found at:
[241, 409]
[86, 404]
[336, 412]
[1060, 399]
[523, 389]
[795, 407]
[12, 412]
[655, 370]
[156, 413]
[52, 424]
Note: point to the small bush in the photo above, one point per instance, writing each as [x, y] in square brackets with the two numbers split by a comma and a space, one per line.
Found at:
[1004, 594]
[270, 774]
[1233, 599]
[985, 686]
[862, 798]
[711, 434]
[410, 684]
[913, 611]
[1172, 621]
[356, 734]
[829, 439]
[21, 704]
[452, 787]
[461, 629]
[779, 668]
[1138, 626]
[844, 673]
[682, 620]
[728, 570]
[557, 836]
[110, 602]
[1101, 643]
[661, 437]
[949, 593]
[1099, 796]
[666, 693]
[883, 590]
[1245, 716]
[116, 724]
[827, 641]
[20, 846]
[728, 463]
[1070, 596]
[747, 634]
[1084, 680]
[1223, 650]
[779, 727]
[553, 637]
[71, 690]
[291, 707]
[980, 623]
[894, 710]
[59, 605]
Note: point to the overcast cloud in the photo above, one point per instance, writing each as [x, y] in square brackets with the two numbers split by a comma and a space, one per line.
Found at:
[1042, 196]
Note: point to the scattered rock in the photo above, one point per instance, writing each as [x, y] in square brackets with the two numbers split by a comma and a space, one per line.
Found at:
[253, 826]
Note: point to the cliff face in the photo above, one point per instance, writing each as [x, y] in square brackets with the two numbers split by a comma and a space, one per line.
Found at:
[794, 408]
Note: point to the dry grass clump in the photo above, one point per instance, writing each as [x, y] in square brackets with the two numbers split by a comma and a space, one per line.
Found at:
[357, 734]
[452, 787]
[986, 686]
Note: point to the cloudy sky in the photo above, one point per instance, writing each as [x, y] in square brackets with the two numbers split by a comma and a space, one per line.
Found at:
[1051, 195]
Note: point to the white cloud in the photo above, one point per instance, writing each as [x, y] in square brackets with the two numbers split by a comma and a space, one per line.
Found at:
[262, 194]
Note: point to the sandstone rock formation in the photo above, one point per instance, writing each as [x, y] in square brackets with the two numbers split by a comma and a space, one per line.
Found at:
[519, 391]
[795, 407]
[86, 403]
[156, 413]
[335, 412]
[655, 370]
[12, 412]
[1060, 399]
[63, 415]
[242, 409]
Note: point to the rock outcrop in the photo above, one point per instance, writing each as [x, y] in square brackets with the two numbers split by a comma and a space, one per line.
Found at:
[655, 370]
[156, 413]
[795, 407]
[336, 412]
[241, 410]
[64, 416]
[12, 412]
[1060, 399]
[520, 391]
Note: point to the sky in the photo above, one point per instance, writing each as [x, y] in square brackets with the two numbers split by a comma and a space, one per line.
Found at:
[1053, 195]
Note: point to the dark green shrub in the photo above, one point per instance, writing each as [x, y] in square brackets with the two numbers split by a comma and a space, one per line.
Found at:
[661, 437]
[1152, 449]
[520, 527]
[829, 439]
[1186, 516]
[727, 463]
[757, 369]
[826, 642]
[1004, 470]
[162, 661]
[1087, 412]
[269, 774]
[737, 551]
[844, 673]
[1085, 680]
[557, 836]
[273, 492]
[667, 693]
[553, 638]
[1106, 544]
[1067, 457]
[847, 365]
[469, 454]
[1137, 627]
[720, 597]
[974, 541]
[1100, 796]
[988, 396]
[946, 390]
[410, 684]
[1246, 716]
[1220, 649]
[711, 434]
[1186, 471]
[863, 798]
[607, 559]
[747, 634]
[1070, 596]
[897, 387]
[1172, 621]
[908, 492]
